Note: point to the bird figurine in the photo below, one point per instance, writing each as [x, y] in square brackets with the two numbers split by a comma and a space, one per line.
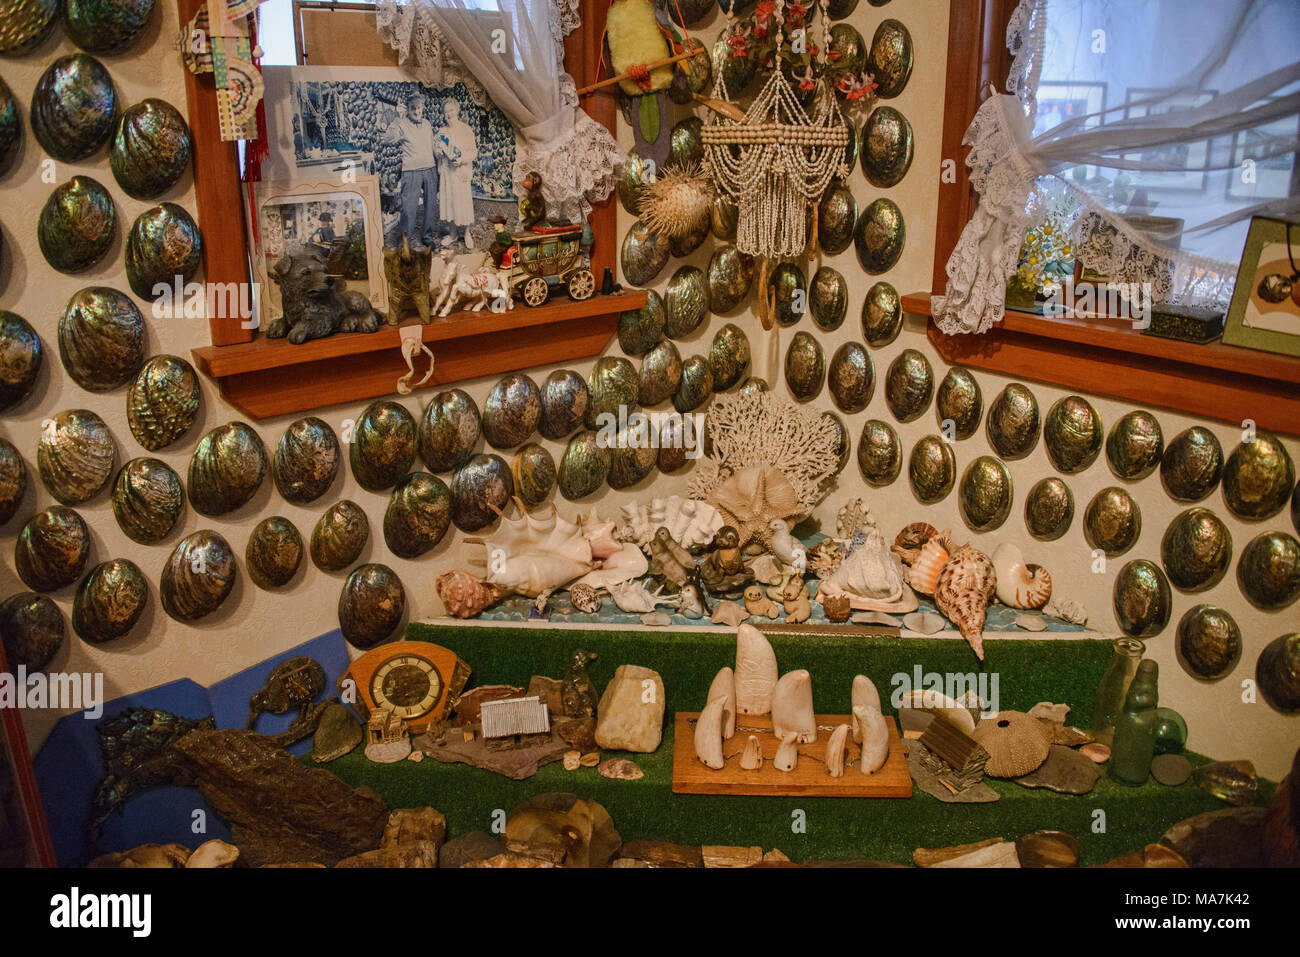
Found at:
[784, 545]
[532, 208]
[670, 561]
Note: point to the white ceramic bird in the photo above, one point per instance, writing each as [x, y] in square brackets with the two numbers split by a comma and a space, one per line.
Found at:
[784, 545]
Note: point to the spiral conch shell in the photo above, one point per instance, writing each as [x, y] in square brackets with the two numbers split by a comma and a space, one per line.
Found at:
[926, 566]
[966, 583]
[464, 595]
[1020, 584]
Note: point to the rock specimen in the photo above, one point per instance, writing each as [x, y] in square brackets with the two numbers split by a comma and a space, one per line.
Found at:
[662, 854]
[630, 715]
[468, 848]
[1229, 837]
[336, 735]
[564, 830]
[1065, 771]
[411, 825]
[415, 854]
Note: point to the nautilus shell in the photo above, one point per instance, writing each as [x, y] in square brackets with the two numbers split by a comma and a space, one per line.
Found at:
[147, 500]
[418, 515]
[164, 243]
[1020, 584]
[383, 445]
[109, 601]
[52, 549]
[306, 460]
[340, 536]
[371, 605]
[274, 552]
[199, 575]
[75, 456]
[101, 338]
[227, 469]
[163, 401]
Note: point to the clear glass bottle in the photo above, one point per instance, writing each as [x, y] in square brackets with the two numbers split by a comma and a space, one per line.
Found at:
[1135, 729]
[1113, 688]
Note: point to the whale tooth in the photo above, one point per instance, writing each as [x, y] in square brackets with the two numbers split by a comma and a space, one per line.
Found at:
[708, 733]
[864, 693]
[752, 758]
[835, 751]
[756, 673]
[724, 684]
[875, 738]
[792, 707]
[787, 755]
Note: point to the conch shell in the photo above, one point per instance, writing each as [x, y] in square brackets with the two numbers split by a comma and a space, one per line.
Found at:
[929, 562]
[872, 578]
[530, 555]
[909, 542]
[962, 594]
[464, 595]
[1020, 584]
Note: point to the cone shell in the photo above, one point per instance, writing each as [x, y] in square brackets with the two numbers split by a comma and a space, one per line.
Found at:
[479, 490]
[729, 357]
[1049, 509]
[924, 574]
[20, 359]
[105, 26]
[640, 330]
[686, 302]
[644, 254]
[1268, 571]
[909, 385]
[463, 595]
[449, 431]
[164, 243]
[828, 298]
[74, 107]
[1196, 550]
[1258, 477]
[31, 627]
[1017, 743]
[151, 149]
[534, 472]
[1209, 642]
[274, 552]
[660, 374]
[836, 215]
[1112, 521]
[418, 515]
[163, 402]
[880, 457]
[1141, 599]
[383, 445]
[339, 537]
[1135, 445]
[306, 460]
[879, 236]
[147, 500]
[13, 481]
[76, 225]
[882, 315]
[1012, 422]
[199, 575]
[932, 469]
[109, 601]
[890, 58]
[805, 367]
[52, 549]
[1073, 434]
[695, 386]
[75, 456]
[730, 275]
[227, 469]
[1192, 465]
[371, 605]
[966, 584]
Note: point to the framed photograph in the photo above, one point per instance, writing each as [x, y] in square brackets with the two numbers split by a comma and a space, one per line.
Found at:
[340, 221]
[443, 156]
[1189, 162]
[1059, 102]
[1265, 308]
[1270, 178]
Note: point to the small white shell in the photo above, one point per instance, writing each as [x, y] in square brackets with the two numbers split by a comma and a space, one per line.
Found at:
[925, 622]
[1031, 622]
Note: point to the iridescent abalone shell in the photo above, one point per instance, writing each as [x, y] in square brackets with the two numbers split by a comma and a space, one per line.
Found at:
[75, 456]
[480, 490]
[564, 404]
[20, 359]
[644, 254]
[1073, 434]
[101, 338]
[882, 315]
[418, 515]
[306, 460]
[1277, 672]
[805, 366]
[1258, 477]
[534, 473]
[109, 601]
[1191, 465]
[227, 469]
[1135, 445]
[640, 330]
[847, 47]
[1209, 642]
[199, 576]
[851, 377]
[632, 182]
[340, 536]
[1012, 422]
[737, 72]
[1268, 571]
[274, 553]
[633, 456]
[76, 225]
[1142, 599]
[728, 357]
[659, 375]
[1196, 550]
[985, 494]
[879, 236]
[958, 401]
[512, 411]
[686, 302]
[13, 480]
[383, 445]
[163, 401]
[828, 298]
[836, 215]
[909, 385]
[730, 275]
[31, 627]
[890, 58]
[74, 107]
[105, 26]
[164, 243]
[724, 217]
[932, 469]
[612, 386]
[449, 431]
[1112, 521]
[886, 147]
[1049, 509]
[147, 500]
[843, 441]
[371, 605]
[25, 23]
[787, 288]
[695, 386]
[52, 549]
[686, 147]
[11, 128]
[583, 467]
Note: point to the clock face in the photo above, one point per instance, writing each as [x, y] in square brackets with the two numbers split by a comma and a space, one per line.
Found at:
[408, 685]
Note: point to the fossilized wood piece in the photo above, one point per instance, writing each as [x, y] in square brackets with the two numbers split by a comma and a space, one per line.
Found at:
[214, 853]
[752, 757]
[724, 684]
[864, 694]
[414, 854]
[787, 755]
[470, 847]
[1002, 854]
[835, 751]
[514, 763]
[716, 855]
[934, 856]
[409, 825]
[146, 855]
[662, 854]
[755, 673]
[792, 707]
[708, 733]
[581, 830]
[874, 732]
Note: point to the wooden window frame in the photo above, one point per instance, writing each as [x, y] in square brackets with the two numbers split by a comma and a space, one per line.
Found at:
[264, 378]
[1214, 381]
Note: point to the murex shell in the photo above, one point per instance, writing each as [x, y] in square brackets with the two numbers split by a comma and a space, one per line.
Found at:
[583, 467]
[383, 445]
[534, 472]
[164, 243]
[564, 404]
[909, 385]
[958, 400]
[371, 605]
[886, 147]
[836, 215]
[1196, 550]
[880, 458]
[25, 23]
[788, 289]
[20, 359]
[932, 469]
[686, 302]
[1268, 571]
[1258, 476]
[729, 357]
[890, 58]
[227, 469]
[805, 366]
[449, 431]
[828, 298]
[147, 500]
[1209, 642]
[1142, 599]
[644, 254]
[151, 149]
[613, 384]
[418, 515]
[659, 375]
[76, 225]
[985, 494]
[479, 491]
[73, 107]
[109, 601]
[13, 480]
[851, 377]
[730, 275]
[199, 575]
[1135, 445]
[52, 549]
[31, 627]
[1192, 464]
[274, 552]
[101, 338]
[340, 536]
[75, 456]
[1112, 521]
[512, 411]
[306, 460]
[640, 330]
[1277, 672]
[163, 401]
[1012, 423]
[1073, 434]
[879, 236]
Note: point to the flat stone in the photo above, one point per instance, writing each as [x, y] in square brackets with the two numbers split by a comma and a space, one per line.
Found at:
[549, 690]
[664, 854]
[417, 854]
[578, 733]
[474, 846]
[928, 782]
[1096, 752]
[1069, 736]
[995, 855]
[410, 825]
[1171, 769]
[1065, 770]
[1049, 712]
[508, 859]
[514, 763]
[1231, 837]
[630, 716]
[336, 735]
[415, 757]
[470, 704]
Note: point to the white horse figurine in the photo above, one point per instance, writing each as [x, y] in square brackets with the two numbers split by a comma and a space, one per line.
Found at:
[460, 283]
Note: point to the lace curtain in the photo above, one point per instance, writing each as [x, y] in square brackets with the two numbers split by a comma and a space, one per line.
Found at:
[442, 41]
[1149, 133]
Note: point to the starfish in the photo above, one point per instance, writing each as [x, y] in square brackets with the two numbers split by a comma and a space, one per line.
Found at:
[750, 499]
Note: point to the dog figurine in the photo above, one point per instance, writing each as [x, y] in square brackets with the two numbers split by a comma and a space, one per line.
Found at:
[312, 309]
[407, 273]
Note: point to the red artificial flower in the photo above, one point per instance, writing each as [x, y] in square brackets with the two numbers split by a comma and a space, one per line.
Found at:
[797, 11]
[765, 10]
[737, 41]
[806, 84]
[832, 54]
[760, 30]
[856, 94]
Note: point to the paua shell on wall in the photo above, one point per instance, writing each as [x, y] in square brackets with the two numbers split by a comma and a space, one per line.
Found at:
[828, 298]
[25, 23]
[731, 273]
[52, 549]
[74, 107]
[151, 148]
[728, 357]
[632, 182]
[274, 552]
[879, 236]
[199, 575]
[696, 74]
[880, 457]
[11, 128]
[480, 490]
[659, 375]
[1258, 476]
[633, 456]
[686, 302]
[724, 217]
[13, 480]
[675, 442]
[932, 469]
[75, 456]
[1277, 672]
[695, 386]
[227, 469]
[76, 225]
[909, 385]
[839, 9]
[737, 72]
[788, 287]
[1049, 509]
[836, 215]
[20, 359]
[1191, 465]
[1141, 599]
[371, 605]
[886, 147]
[890, 58]
[640, 330]
[105, 26]
[843, 442]
[685, 244]
[1073, 434]
[805, 366]
[1112, 521]
[164, 243]
[109, 601]
[1268, 571]
[1209, 642]
[882, 315]
[449, 431]
[958, 400]
[31, 627]
[1196, 550]
[306, 460]
[686, 145]
[1295, 508]
[564, 404]
[101, 338]
[512, 411]
[851, 148]
[340, 536]
[848, 47]
[1135, 445]
[583, 467]
[534, 472]
[147, 500]
[383, 445]
[688, 12]
[851, 377]
[163, 401]
[612, 384]
[418, 515]
[643, 255]
[1012, 422]
[985, 494]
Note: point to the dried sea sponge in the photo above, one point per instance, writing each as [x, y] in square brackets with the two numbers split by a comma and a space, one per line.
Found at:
[1017, 743]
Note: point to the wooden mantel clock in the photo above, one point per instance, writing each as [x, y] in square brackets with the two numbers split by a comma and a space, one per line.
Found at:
[417, 680]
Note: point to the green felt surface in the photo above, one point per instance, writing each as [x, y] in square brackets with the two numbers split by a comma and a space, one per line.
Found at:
[835, 828]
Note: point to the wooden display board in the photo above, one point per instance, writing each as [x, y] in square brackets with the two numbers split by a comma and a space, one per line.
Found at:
[808, 779]
[343, 35]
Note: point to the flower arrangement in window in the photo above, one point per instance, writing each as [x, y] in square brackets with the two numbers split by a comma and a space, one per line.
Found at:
[1046, 261]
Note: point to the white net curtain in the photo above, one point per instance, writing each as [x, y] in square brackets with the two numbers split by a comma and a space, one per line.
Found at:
[443, 41]
[1150, 131]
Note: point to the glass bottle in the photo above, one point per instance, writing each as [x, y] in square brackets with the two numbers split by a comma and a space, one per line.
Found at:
[1114, 687]
[1135, 729]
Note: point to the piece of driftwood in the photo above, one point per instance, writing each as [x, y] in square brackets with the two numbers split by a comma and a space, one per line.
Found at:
[718, 855]
[1001, 854]
[930, 856]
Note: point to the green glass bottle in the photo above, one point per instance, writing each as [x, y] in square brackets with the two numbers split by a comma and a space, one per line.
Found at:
[1114, 687]
[1135, 730]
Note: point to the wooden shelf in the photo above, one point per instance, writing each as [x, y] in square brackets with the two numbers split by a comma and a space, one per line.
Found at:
[269, 377]
[1108, 357]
